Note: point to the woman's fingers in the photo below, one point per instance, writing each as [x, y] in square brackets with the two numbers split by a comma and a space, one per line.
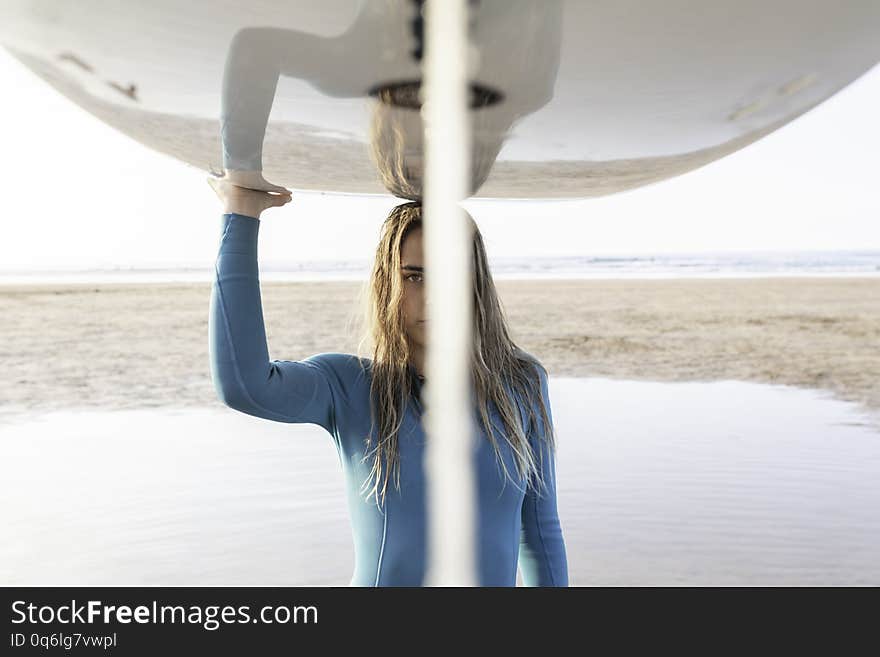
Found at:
[280, 199]
[214, 183]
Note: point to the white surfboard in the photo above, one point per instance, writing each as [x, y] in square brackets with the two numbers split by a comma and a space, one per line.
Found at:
[578, 98]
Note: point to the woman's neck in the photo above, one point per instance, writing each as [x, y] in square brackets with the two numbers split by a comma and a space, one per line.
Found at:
[417, 359]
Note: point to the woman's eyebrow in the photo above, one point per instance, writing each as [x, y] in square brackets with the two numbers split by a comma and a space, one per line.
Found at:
[413, 268]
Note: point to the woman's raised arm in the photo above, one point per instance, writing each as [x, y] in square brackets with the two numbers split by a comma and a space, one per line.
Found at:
[244, 377]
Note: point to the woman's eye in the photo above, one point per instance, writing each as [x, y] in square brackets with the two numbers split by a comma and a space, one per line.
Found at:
[414, 277]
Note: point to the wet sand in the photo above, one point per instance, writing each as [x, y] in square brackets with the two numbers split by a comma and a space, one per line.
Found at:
[125, 346]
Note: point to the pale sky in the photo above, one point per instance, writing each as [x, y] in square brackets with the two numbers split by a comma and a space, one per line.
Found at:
[79, 194]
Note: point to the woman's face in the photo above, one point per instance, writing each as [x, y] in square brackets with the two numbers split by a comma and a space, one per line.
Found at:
[412, 275]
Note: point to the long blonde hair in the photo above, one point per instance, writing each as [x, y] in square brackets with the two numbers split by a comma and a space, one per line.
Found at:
[497, 362]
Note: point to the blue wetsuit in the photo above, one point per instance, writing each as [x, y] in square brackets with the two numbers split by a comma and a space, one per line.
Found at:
[333, 390]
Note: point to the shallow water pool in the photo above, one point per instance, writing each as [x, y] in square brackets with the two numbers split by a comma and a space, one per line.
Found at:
[659, 483]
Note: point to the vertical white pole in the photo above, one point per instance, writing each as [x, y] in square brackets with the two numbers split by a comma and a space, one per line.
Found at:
[449, 466]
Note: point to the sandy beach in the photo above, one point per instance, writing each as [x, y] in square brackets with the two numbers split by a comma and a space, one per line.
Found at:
[713, 479]
[126, 346]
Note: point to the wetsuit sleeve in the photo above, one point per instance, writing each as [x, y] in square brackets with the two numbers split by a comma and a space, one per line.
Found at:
[243, 376]
[542, 556]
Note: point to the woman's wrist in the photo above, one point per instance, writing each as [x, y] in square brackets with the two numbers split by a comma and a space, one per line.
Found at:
[242, 208]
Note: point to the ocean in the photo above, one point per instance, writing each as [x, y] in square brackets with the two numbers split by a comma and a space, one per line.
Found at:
[666, 265]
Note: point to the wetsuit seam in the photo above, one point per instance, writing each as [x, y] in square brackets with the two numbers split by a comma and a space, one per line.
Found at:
[381, 548]
[517, 539]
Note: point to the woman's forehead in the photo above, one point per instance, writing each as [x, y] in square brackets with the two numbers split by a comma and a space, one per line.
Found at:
[411, 249]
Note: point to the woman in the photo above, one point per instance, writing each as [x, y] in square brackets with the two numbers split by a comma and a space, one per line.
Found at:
[371, 408]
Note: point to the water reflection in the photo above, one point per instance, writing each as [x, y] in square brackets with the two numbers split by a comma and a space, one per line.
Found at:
[721, 483]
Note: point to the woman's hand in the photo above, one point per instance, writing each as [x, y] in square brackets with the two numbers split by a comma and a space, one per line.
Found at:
[244, 201]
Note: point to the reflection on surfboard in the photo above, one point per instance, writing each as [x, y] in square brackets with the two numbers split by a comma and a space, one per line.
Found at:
[621, 94]
[343, 66]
